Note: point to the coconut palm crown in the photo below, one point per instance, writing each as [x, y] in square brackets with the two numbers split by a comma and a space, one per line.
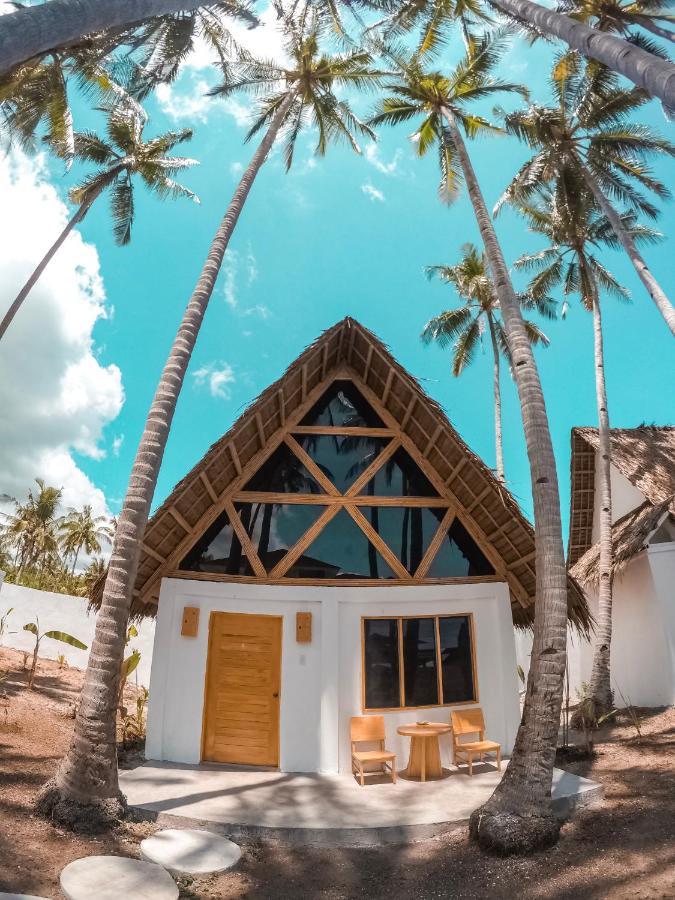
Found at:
[431, 95]
[626, 17]
[588, 136]
[309, 79]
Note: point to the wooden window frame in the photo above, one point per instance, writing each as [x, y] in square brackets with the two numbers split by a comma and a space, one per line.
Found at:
[351, 501]
[401, 673]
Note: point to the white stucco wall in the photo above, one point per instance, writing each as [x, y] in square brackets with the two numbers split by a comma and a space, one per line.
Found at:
[62, 612]
[625, 497]
[321, 681]
[643, 635]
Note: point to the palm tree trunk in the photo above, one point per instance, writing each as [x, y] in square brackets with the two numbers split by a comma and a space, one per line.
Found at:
[77, 553]
[601, 692]
[85, 791]
[519, 817]
[499, 448]
[650, 25]
[658, 295]
[42, 265]
[656, 76]
[33, 30]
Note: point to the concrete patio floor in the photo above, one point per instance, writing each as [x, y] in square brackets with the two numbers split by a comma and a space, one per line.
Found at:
[323, 809]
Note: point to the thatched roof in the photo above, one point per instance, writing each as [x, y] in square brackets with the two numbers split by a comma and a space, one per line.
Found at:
[353, 351]
[646, 457]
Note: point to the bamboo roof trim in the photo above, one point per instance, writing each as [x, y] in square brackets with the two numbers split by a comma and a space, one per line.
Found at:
[350, 350]
[630, 535]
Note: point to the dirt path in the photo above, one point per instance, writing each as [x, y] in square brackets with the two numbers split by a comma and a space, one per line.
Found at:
[623, 848]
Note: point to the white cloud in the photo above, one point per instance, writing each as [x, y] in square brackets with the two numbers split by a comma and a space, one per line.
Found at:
[251, 266]
[118, 440]
[55, 396]
[217, 377]
[195, 106]
[230, 267]
[236, 169]
[260, 310]
[370, 191]
[372, 155]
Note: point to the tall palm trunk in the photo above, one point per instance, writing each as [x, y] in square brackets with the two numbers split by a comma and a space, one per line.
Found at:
[499, 448]
[519, 815]
[77, 553]
[601, 691]
[658, 295]
[80, 213]
[33, 30]
[655, 75]
[85, 791]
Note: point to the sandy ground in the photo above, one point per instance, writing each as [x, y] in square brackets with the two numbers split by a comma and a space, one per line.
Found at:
[622, 848]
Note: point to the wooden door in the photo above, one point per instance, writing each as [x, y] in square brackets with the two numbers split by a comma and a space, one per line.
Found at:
[241, 717]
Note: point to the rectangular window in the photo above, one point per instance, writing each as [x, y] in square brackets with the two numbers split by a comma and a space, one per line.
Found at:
[381, 663]
[415, 662]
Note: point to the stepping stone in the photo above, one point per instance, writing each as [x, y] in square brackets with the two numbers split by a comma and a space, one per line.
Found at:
[4, 896]
[112, 877]
[190, 851]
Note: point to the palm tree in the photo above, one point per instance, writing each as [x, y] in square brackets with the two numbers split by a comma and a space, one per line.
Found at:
[38, 29]
[122, 156]
[519, 815]
[463, 328]
[169, 27]
[34, 527]
[622, 16]
[80, 530]
[588, 134]
[86, 785]
[576, 231]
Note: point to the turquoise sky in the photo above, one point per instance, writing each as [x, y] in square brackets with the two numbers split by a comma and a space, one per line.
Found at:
[344, 236]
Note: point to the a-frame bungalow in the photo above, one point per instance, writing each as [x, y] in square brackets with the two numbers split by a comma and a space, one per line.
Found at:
[339, 551]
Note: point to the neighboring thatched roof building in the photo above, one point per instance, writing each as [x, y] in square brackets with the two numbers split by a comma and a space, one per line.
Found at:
[488, 510]
[645, 456]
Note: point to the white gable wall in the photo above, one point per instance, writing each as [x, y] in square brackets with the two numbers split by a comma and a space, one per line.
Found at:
[625, 497]
[321, 681]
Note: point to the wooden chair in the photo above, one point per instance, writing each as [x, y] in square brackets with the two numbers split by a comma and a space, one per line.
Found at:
[471, 721]
[370, 729]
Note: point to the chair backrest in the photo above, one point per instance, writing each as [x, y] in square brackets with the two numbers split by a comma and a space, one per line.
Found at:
[467, 721]
[367, 728]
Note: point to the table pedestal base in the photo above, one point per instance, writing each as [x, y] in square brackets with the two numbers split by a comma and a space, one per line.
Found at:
[425, 759]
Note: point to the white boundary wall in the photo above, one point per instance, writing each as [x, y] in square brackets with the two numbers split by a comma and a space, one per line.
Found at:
[321, 681]
[63, 612]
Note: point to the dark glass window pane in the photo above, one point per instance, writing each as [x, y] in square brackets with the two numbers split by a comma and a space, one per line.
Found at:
[456, 668]
[219, 551]
[459, 556]
[380, 641]
[340, 550]
[406, 530]
[400, 476]
[343, 405]
[283, 472]
[274, 527]
[419, 662]
[342, 458]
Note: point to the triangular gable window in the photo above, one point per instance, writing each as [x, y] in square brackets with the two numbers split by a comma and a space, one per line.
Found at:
[459, 556]
[342, 405]
[283, 473]
[218, 551]
[342, 458]
[275, 527]
[400, 476]
[407, 531]
[341, 550]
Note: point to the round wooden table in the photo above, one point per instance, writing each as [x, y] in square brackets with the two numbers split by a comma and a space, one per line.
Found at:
[425, 755]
